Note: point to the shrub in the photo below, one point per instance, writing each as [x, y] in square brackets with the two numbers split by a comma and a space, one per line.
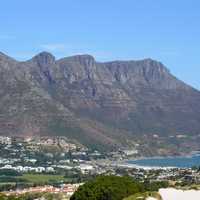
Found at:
[107, 188]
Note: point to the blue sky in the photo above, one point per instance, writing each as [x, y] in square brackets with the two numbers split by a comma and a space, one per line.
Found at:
[168, 31]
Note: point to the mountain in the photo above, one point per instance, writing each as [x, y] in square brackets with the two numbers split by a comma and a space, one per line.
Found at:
[99, 104]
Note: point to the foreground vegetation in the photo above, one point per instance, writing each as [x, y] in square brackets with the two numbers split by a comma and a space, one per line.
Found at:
[99, 188]
[115, 188]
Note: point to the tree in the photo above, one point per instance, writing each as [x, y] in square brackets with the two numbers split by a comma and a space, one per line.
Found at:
[107, 188]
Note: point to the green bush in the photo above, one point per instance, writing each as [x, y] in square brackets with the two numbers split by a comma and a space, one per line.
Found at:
[107, 188]
[155, 186]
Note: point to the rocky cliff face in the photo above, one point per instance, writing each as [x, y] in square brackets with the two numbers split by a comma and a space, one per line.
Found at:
[96, 103]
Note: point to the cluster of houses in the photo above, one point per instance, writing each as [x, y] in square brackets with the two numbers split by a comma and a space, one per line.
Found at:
[84, 168]
[28, 169]
[68, 189]
[20, 158]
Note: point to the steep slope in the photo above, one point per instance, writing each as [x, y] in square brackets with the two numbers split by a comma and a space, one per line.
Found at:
[101, 104]
[24, 106]
[138, 96]
[28, 103]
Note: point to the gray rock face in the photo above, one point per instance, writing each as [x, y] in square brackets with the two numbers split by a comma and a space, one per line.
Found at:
[96, 103]
[43, 59]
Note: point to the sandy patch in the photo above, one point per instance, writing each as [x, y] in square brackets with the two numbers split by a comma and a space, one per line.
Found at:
[151, 198]
[174, 194]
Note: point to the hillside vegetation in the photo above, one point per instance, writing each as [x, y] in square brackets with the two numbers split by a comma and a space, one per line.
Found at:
[115, 188]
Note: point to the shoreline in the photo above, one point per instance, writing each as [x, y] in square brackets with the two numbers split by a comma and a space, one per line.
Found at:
[129, 165]
[190, 155]
[127, 162]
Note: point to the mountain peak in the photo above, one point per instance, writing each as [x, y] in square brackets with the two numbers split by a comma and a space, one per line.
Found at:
[84, 59]
[44, 58]
[82, 56]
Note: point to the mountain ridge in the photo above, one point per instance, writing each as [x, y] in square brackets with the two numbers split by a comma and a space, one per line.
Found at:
[97, 103]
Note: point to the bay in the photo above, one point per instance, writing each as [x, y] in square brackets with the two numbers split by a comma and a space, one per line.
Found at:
[180, 162]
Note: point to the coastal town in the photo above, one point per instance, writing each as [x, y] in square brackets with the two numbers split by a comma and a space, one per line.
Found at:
[59, 165]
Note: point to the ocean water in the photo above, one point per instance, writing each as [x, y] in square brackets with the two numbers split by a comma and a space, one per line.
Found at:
[181, 162]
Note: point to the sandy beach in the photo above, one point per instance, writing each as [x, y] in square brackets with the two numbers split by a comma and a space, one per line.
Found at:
[174, 194]
[151, 198]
